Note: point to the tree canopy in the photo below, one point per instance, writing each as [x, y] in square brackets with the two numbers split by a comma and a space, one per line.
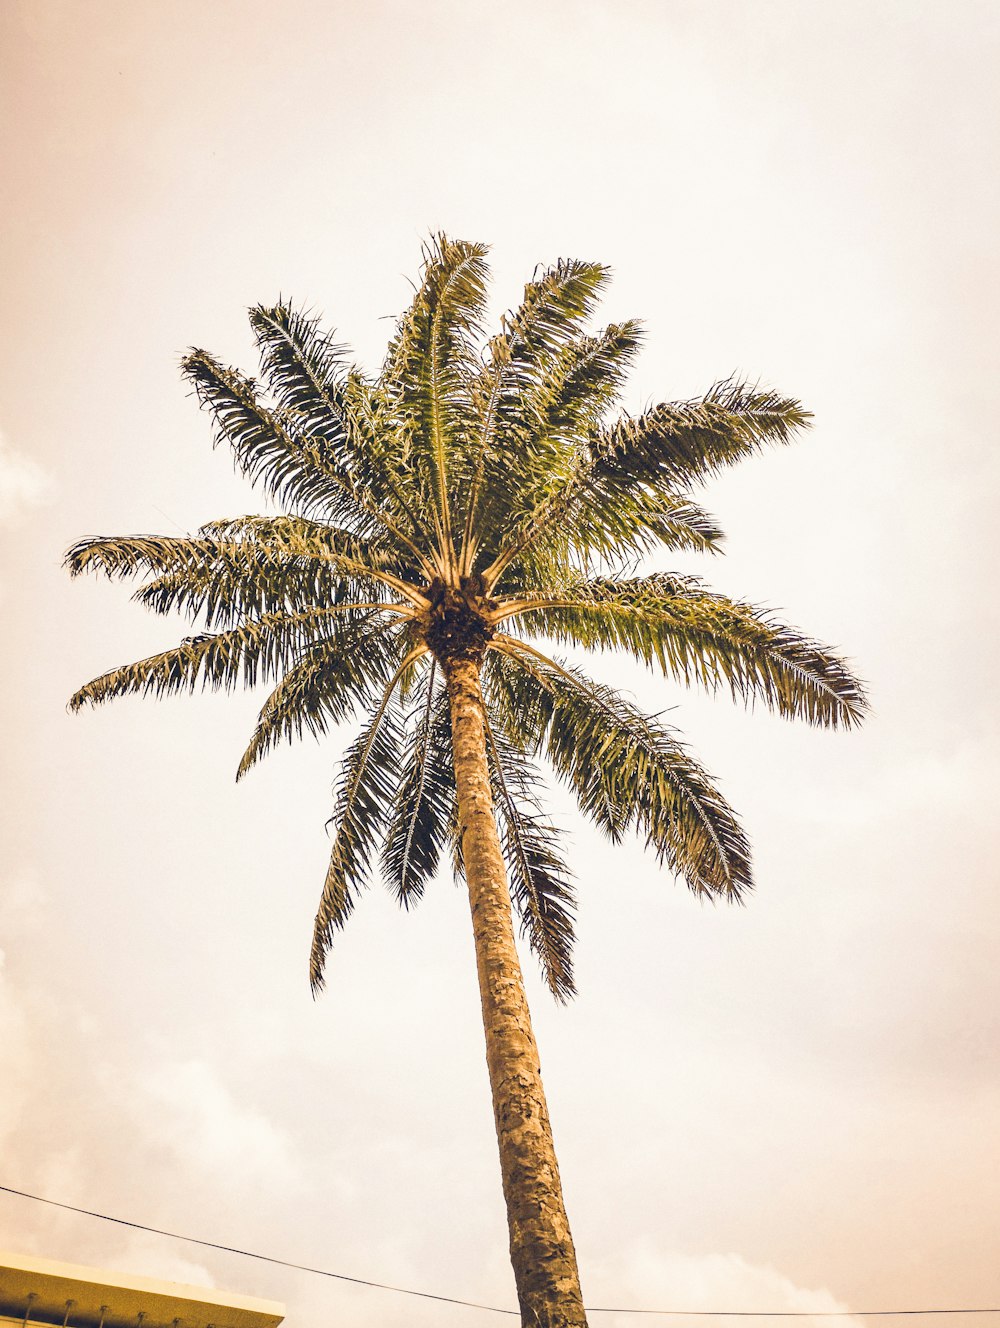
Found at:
[476, 498]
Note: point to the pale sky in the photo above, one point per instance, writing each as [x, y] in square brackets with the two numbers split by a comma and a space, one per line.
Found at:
[791, 1105]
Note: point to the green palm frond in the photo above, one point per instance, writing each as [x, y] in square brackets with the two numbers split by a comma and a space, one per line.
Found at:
[131, 555]
[300, 537]
[431, 361]
[540, 884]
[676, 444]
[222, 541]
[423, 817]
[326, 685]
[633, 522]
[626, 768]
[588, 378]
[509, 396]
[664, 451]
[256, 651]
[331, 408]
[580, 386]
[608, 537]
[269, 448]
[702, 637]
[368, 775]
[226, 580]
[305, 371]
[253, 584]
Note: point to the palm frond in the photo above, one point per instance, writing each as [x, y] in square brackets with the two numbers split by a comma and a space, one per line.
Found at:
[633, 522]
[431, 361]
[305, 370]
[540, 884]
[675, 445]
[268, 447]
[540, 454]
[325, 686]
[627, 769]
[256, 651]
[228, 581]
[511, 393]
[423, 818]
[294, 536]
[315, 387]
[129, 555]
[664, 451]
[701, 637]
[219, 542]
[254, 584]
[587, 379]
[368, 775]
[607, 536]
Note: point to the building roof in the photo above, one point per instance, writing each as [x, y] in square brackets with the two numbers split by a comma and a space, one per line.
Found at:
[48, 1292]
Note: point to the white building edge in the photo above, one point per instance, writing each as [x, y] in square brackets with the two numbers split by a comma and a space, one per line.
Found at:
[65, 1295]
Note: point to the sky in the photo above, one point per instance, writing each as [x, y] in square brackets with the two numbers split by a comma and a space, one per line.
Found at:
[790, 1105]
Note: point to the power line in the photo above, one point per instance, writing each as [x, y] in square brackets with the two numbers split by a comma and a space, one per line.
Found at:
[248, 1254]
[475, 1305]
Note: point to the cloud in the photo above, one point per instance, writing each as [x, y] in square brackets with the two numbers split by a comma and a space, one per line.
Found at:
[198, 1117]
[647, 1277]
[23, 482]
[91, 1120]
[145, 1256]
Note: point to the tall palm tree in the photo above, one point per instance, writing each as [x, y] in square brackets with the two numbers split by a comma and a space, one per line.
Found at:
[446, 517]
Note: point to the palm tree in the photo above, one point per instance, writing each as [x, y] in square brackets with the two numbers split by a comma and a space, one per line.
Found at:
[448, 515]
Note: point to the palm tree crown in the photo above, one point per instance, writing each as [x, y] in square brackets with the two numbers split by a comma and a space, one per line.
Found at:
[470, 502]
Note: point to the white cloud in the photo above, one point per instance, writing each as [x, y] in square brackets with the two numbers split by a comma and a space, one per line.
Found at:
[645, 1277]
[146, 1256]
[84, 1118]
[198, 1117]
[23, 482]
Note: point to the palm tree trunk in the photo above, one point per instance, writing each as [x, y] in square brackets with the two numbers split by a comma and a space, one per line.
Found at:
[541, 1246]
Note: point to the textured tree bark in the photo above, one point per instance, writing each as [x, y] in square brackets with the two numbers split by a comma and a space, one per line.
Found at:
[541, 1246]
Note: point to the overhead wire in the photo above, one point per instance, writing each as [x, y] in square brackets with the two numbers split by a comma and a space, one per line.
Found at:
[249, 1254]
[476, 1305]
